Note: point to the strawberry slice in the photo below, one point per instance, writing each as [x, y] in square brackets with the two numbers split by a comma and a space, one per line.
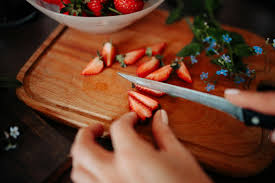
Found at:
[146, 68]
[155, 49]
[130, 57]
[183, 73]
[161, 74]
[149, 91]
[142, 111]
[95, 66]
[53, 1]
[108, 53]
[147, 101]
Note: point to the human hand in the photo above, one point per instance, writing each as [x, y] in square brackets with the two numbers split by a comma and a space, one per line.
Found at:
[134, 160]
[259, 101]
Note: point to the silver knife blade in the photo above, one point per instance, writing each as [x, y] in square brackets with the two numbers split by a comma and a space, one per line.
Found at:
[206, 99]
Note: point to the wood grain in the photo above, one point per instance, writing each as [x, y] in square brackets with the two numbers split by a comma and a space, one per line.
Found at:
[52, 84]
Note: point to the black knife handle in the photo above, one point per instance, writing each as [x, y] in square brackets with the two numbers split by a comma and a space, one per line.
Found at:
[253, 118]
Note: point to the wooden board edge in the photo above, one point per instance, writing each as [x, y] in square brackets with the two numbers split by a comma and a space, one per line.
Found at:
[57, 31]
[225, 169]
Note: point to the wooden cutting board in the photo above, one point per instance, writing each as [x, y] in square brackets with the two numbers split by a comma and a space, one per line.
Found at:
[52, 84]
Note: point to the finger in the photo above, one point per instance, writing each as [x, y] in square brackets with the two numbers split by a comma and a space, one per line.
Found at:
[259, 101]
[124, 136]
[164, 136]
[272, 136]
[87, 152]
[81, 175]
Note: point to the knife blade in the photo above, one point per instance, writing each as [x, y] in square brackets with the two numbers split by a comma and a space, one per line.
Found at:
[249, 117]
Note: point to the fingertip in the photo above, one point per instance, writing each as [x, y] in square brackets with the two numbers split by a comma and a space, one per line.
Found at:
[161, 117]
[272, 137]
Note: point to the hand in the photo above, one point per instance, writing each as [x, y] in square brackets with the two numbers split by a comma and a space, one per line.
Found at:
[259, 101]
[134, 160]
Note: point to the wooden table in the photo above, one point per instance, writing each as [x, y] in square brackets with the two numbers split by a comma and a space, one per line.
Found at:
[18, 44]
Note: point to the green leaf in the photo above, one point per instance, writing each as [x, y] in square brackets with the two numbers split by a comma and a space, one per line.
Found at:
[149, 52]
[211, 6]
[236, 38]
[243, 50]
[120, 59]
[190, 49]
[176, 14]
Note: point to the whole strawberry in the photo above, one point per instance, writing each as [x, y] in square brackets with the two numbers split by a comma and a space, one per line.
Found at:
[128, 6]
[96, 6]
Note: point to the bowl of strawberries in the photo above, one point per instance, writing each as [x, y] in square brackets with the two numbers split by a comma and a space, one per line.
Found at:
[96, 16]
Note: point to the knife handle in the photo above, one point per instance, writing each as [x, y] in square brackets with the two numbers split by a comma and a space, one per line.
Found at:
[253, 118]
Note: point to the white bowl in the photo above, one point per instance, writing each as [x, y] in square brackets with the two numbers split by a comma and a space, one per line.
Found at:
[99, 25]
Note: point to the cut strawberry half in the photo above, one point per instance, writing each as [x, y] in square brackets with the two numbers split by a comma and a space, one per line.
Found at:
[95, 66]
[149, 91]
[147, 101]
[146, 68]
[161, 74]
[183, 73]
[130, 57]
[108, 53]
[156, 49]
[142, 111]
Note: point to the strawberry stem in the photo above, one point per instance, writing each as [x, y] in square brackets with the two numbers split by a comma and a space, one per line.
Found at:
[115, 11]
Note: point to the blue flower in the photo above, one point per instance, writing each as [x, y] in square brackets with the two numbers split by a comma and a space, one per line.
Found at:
[209, 39]
[226, 58]
[222, 72]
[204, 75]
[226, 38]
[193, 59]
[258, 50]
[249, 72]
[209, 87]
[273, 43]
[239, 80]
[198, 53]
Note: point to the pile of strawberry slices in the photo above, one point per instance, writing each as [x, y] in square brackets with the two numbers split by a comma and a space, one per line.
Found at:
[142, 102]
[97, 7]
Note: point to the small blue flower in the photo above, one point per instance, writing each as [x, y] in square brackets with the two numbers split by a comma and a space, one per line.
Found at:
[222, 72]
[258, 50]
[273, 43]
[204, 75]
[226, 58]
[198, 53]
[209, 87]
[239, 80]
[226, 38]
[209, 39]
[193, 59]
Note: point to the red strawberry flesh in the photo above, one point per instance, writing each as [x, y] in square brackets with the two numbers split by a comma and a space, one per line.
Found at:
[161, 74]
[147, 101]
[142, 111]
[148, 67]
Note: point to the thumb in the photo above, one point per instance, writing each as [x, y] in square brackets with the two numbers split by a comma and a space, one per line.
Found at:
[259, 101]
[164, 136]
[272, 136]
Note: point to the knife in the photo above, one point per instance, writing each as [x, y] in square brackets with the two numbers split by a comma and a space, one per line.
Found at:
[249, 117]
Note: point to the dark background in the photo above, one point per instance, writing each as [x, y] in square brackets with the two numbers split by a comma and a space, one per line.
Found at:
[17, 43]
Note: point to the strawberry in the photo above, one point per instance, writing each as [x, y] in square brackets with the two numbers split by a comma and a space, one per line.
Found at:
[142, 111]
[183, 73]
[146, 68]
[95, 66]
[108, 53]
[147, 101]
[149, 91]
[161, 74]
[96, 6]
[155, 49]
[62, 4]
[128, 6]
[130, 57]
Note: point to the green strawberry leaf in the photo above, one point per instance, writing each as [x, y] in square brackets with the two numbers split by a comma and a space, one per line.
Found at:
[120, 59]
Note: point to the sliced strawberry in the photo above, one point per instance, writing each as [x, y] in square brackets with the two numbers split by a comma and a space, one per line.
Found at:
[108, 53]
[149, 91]
[146, 68]
[95, 66]
[161, 74]
[183, 73]
[147, 101]
[53, 1]
[142, 111]
[131, 57]
[156, 49]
